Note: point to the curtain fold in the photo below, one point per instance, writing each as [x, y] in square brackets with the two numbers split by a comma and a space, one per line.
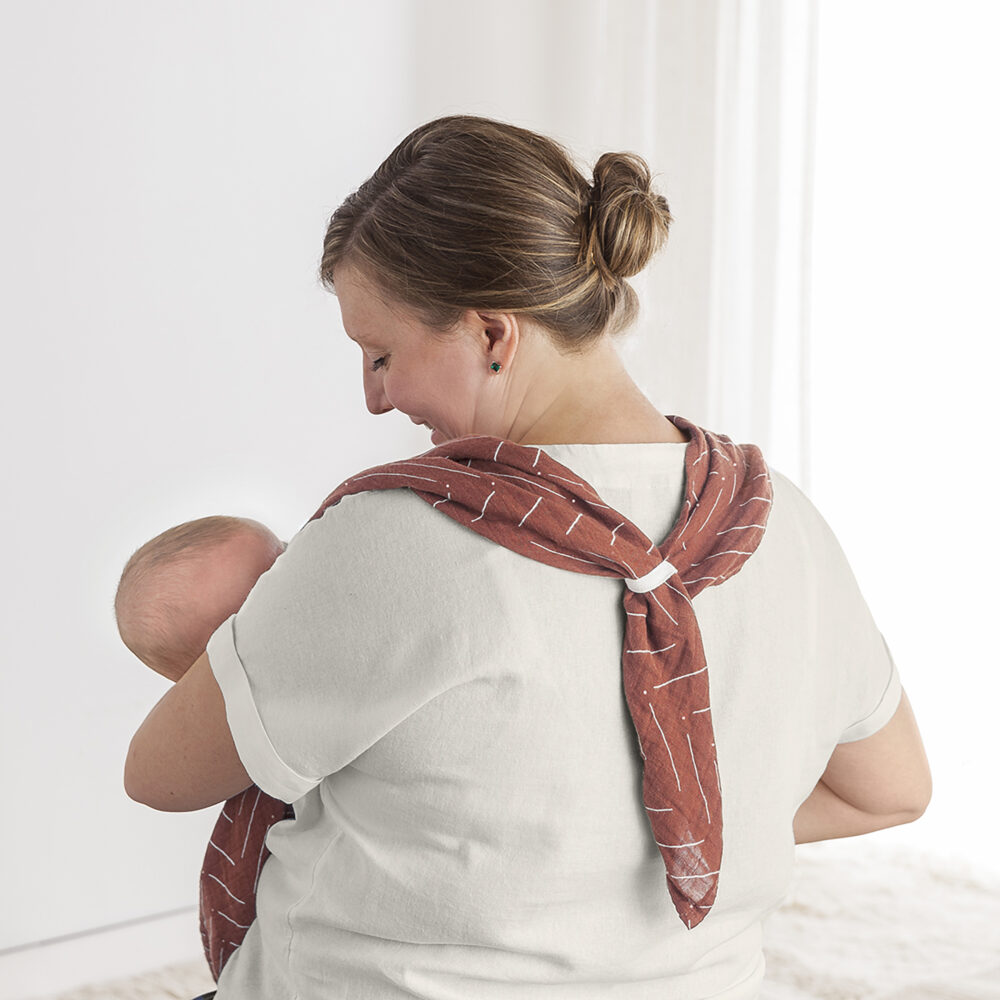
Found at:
[758, 328]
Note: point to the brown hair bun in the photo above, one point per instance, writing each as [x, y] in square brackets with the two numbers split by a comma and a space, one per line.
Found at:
[628, 220]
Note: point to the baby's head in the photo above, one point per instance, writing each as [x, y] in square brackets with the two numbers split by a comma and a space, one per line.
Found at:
[179, 587]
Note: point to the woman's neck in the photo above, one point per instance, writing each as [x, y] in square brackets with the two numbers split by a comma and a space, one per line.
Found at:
[587, 399]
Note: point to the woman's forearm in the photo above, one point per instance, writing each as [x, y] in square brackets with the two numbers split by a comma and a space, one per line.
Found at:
[824, 815]
[870, 784]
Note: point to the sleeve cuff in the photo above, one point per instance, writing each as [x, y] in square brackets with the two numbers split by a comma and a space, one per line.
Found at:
[268, 771]
[886, 709]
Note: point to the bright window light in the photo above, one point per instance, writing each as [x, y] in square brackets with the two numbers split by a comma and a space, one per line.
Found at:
[904, 360]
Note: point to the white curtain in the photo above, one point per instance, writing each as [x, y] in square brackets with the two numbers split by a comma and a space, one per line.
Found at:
[168, 172]
[758, 320]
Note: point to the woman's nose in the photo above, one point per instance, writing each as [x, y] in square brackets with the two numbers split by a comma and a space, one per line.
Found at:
[375, 397]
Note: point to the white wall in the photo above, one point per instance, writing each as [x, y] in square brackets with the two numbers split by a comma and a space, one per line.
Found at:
[168, 172]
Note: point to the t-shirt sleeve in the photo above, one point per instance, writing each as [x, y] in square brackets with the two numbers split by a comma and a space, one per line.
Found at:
[887, 704]
[342, 639]
[858, 685]
[258, 754]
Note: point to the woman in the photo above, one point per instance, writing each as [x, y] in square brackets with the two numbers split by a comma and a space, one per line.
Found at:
[473, 816]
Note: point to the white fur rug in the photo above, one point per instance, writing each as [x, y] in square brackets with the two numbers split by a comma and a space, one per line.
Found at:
[861, 923]
[876, 923]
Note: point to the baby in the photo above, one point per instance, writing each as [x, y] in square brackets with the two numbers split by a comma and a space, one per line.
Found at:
[174, 592]
[180, 586]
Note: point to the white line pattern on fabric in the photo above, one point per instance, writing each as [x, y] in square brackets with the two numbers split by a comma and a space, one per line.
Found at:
[694, 764]
[665, 648]
[606, 556]
[531, 482]
[713, 555]
[253, 812]
[401, 475]
[656, 601]
[710, 513]
[564, 555]
[673, 680]
[525, 518]
[224, 886]
[483, 511]
[677, 847]
[450, 470]
[677, 777]
[573, 525]
[221, 851]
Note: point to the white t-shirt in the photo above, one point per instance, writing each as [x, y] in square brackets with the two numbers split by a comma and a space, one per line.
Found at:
[448, 718]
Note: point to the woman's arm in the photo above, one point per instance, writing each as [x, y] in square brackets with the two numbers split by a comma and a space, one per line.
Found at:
[874, 783]
[183, 756]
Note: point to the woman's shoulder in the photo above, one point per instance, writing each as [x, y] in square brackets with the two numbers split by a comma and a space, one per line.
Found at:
[390, 532]
[799, 541]
[391, 512]
[794, 508]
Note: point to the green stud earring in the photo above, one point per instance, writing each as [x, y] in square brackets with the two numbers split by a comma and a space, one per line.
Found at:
[496, 366]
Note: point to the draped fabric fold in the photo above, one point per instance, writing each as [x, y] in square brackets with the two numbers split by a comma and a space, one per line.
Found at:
[234, 857]
[521, 498]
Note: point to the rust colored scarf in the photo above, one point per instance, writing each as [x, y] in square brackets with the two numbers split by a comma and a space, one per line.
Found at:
[524, 500]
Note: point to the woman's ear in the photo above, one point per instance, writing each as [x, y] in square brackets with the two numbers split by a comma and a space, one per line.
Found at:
[501, 336]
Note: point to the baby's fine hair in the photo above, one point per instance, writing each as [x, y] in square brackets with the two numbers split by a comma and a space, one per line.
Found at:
[472, 213]
[144, 628]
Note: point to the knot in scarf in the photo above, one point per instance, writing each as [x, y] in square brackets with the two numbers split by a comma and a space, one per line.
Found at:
[521, 498]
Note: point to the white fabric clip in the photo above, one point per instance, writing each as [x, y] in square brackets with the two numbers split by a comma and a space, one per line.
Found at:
[652, 579]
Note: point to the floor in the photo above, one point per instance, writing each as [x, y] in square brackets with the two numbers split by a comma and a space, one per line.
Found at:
[177, 982]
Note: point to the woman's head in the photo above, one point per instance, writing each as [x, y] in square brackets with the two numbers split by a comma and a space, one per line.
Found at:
[470, 213]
